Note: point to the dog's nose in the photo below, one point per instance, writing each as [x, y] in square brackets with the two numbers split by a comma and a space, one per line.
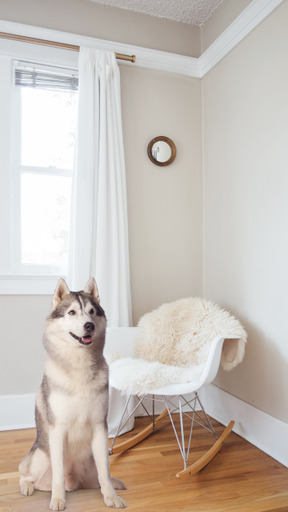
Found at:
[89, 327]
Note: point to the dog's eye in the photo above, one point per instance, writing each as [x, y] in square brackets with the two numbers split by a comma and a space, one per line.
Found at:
[91, 311]
[72, 312]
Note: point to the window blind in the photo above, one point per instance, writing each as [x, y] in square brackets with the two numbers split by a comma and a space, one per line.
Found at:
[27, 75]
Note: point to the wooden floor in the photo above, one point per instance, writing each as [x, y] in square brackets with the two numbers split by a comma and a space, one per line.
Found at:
[240, 479]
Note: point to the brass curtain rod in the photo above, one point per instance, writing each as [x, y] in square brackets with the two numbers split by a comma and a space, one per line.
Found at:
[55, 44]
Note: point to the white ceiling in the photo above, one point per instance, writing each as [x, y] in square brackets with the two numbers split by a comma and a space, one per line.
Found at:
[193, 12]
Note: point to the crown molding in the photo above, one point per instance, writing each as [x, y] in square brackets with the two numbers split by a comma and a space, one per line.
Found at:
[170, 62]
[145, 57]
[254, 14]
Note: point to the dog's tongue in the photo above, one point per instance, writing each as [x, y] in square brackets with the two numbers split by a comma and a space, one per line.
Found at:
[87, 339]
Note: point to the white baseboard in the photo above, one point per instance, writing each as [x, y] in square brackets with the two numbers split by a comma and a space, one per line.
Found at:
[17, 411]
[260, 429]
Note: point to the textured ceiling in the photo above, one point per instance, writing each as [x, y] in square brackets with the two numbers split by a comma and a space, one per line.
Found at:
[193, 12]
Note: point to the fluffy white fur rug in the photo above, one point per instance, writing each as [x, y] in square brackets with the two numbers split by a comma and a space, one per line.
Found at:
[173, 344]
[138, 377]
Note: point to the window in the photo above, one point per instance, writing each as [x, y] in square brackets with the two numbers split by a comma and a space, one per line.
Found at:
[36, 169]
[45, 116]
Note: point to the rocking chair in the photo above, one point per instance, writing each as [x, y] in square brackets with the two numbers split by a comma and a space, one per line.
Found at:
[157, 380]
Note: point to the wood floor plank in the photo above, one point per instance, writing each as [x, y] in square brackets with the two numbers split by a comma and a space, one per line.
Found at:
[240, 478]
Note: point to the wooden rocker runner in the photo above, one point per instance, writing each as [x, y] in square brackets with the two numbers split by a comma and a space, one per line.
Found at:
[195, 417]
[146, 376]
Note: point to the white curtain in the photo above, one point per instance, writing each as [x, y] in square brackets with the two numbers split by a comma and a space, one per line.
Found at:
[99, 230]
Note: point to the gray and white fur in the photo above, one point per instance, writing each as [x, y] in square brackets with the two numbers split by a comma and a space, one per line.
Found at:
[71, 447]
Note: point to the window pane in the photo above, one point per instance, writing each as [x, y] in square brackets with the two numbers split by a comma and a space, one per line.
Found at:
[48, 124]
[45, 214]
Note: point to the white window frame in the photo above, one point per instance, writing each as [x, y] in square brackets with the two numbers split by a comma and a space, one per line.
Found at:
[10, 282]
[18, 169]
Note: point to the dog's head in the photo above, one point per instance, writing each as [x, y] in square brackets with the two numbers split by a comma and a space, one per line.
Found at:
[77, 316]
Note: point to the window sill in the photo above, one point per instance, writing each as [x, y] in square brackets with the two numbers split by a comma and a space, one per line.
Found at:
[28, 285]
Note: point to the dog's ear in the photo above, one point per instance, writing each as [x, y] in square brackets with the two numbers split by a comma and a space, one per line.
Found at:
[60, 293]
[92, 289]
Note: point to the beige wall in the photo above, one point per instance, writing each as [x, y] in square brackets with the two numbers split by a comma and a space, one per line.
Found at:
[246, 207]
[90, 19]
[21, 350]
[164, 203]
[164, 208]
[224, 15]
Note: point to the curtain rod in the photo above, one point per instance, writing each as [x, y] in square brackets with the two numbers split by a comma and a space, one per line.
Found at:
[55, 44]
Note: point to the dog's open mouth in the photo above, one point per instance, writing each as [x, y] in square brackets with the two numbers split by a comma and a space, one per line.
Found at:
[85, 340]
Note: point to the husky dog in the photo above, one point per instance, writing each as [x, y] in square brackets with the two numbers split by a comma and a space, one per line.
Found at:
[71, 447]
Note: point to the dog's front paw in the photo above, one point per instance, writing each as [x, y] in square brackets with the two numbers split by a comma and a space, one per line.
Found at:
[114, 501]
[57, 504]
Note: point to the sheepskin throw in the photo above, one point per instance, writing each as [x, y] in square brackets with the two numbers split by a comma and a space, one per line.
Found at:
[180, 334]
[173, 344]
